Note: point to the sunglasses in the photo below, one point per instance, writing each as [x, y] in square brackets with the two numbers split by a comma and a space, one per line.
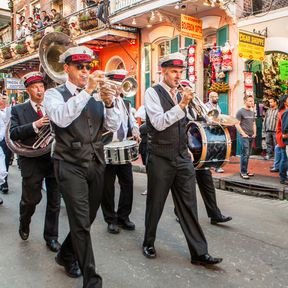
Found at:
[81, 66]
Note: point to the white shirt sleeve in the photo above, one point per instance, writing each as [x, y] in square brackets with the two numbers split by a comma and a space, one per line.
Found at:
[2, 129]
[64, 113]
[112, 118]
[158, 118]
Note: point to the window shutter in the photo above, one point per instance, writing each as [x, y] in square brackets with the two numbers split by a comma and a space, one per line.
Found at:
[174, 45]
[147, 56]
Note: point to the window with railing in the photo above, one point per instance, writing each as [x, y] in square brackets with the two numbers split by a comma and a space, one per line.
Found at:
[163, 49]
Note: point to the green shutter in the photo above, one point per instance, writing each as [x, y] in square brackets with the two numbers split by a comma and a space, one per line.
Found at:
[222, 35]
[174, 45]
[188, 41]
[147, 55]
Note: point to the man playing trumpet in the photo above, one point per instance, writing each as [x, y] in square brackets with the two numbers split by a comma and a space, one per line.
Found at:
[78, 116]
[169, 165]
[27, 119]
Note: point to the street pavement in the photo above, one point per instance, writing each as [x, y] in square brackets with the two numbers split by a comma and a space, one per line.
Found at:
[254, 246]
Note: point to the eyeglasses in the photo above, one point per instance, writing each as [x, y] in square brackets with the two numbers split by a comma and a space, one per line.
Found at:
[81, 66]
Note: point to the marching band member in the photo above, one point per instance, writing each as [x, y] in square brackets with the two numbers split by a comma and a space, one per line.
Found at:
[128, 128]
[26, 121]
[169, 165]
[78, 116]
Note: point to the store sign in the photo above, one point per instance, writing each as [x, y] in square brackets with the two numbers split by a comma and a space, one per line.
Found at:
[251, 46]
[191, 27]
[14, 84]
[283, 70]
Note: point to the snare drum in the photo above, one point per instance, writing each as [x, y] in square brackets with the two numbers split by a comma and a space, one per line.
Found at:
[124, 152]
[209, 144]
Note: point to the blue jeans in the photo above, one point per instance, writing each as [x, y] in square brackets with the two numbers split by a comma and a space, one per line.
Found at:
[246, 147]
[277, 157]
[283, 165]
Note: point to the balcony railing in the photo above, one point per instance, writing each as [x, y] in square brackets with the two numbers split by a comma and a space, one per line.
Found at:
[117, 5]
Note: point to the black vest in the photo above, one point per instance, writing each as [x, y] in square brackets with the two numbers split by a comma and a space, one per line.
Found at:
[172, 141]
[80, 142]
[107, 138]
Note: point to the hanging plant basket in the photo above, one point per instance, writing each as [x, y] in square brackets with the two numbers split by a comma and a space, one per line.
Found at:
[21, 49]
[88, 24]
[6, 52]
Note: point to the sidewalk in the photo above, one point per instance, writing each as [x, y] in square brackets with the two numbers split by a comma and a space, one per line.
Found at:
[264, 183]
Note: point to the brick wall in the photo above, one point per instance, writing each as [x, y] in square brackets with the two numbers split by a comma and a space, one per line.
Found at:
[252, 7]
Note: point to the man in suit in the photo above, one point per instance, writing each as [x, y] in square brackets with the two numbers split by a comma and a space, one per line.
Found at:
[26, 121]
[169, 165]
[79, 116]
[204, 176]
[128, 128]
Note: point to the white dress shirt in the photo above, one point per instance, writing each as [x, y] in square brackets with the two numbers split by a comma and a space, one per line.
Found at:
[158, 118]
[5, 114]
[119, 103]
[64, 113]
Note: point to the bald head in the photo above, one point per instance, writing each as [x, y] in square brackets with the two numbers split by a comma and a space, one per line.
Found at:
[213, 97]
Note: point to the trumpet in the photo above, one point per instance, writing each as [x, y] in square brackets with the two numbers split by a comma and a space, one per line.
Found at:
[128, 86]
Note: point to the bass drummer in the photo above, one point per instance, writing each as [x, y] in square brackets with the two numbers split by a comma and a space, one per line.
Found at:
[128, 129]
[169, 165]
[204, 176]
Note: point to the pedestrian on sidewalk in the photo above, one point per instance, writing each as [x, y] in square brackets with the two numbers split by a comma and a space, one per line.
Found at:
[269, 125]
[283, 105]
[247, 130]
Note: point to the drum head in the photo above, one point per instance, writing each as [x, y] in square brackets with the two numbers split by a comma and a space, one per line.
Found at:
[125, 143]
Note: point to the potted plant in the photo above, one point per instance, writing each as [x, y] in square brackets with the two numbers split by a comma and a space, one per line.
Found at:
[21, 48]
[6, 52]
[88, 21]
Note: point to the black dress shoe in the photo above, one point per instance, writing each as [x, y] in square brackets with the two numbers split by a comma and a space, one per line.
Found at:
[23, 232]
[205, 259]
[220, 219]
[126, 224]
[149, 251]
[71, 269]
[113, 229]
[1, 201]
[285, 182]
[53, 245]
[5, 190]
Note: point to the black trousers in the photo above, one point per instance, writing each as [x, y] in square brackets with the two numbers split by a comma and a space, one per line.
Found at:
[81, 188]
[31, 196]
[8, 154]
[179, 176]
[125, 178]
[208, 192]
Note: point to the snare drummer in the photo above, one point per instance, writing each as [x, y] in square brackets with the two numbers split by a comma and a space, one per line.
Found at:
[169, 165]
[78, 118]
[128, 129]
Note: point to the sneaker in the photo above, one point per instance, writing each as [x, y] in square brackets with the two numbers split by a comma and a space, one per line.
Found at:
[244, 176]
[144, 193]
[219, 170]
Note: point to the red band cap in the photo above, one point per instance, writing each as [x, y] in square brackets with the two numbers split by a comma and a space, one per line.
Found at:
[81, 57]
[33, 79]
[177, 62]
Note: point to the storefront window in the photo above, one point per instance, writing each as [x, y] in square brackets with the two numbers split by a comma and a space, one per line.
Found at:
[163, 49]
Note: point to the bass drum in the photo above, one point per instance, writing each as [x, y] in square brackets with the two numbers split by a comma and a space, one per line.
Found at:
[209, 144]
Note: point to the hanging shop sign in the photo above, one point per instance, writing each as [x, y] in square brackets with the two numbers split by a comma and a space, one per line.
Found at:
[191, 27]
[14, 84]
[283, 70]
[251, 46]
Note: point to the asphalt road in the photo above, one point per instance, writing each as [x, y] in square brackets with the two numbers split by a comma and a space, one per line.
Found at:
[254, 246]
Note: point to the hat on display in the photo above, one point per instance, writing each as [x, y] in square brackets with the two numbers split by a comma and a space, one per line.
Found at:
[117, 75]
[76, 54]
[32, 77]
[176, 59]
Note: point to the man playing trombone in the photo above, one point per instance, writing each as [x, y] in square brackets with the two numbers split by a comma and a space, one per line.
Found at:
[169, 165]
[27, 121]
[78, 116]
